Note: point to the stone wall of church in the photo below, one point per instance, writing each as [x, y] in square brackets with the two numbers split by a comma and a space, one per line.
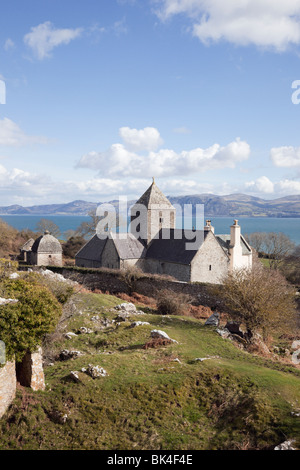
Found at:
[158, 219]
[180, 272]
[210, 263]
[110, 258]
[87, 263]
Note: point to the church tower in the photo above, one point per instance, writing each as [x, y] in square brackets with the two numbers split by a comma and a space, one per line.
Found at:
[152, 212]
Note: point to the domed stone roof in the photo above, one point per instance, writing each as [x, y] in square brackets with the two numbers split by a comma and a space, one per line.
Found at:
[46, 244]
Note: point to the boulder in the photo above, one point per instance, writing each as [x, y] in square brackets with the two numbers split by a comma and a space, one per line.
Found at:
[66, 354]
[139, 323]
[96, 371]
[286, 445]
[161, 334]
[83, 330]
[70, 335]
[127, 307]
[122, 316]
[213, 320]
[296, 344]
[224, 333]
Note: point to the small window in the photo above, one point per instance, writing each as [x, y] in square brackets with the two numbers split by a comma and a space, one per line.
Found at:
[209, 267]
[161, 220]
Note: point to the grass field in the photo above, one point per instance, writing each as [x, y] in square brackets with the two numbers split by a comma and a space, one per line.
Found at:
[153, 398]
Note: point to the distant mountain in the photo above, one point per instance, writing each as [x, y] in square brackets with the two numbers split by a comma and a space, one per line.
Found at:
[233, 205]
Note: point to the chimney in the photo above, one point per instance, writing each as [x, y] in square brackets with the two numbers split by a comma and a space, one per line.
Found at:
[235, 248]
[208, 227]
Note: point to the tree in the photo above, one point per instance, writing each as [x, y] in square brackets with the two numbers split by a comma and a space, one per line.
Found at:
[274, 246]
[72, 246]
[88, 229]
[24, 324]
[260, 298]
[291, 267]
[44, 225]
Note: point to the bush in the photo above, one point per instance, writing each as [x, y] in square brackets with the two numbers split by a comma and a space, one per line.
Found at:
[24, 324]
[171, 303]
[61, 290]
[130, 276]
[261, 299]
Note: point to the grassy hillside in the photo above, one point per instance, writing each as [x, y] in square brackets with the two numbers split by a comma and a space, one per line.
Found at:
[153, 398]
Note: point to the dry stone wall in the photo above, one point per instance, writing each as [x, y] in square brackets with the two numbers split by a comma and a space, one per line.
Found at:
[111, 282]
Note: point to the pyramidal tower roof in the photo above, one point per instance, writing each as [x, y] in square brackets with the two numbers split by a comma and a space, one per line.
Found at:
[153, 197]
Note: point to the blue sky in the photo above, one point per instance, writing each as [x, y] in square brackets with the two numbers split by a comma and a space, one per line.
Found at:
[103, 95]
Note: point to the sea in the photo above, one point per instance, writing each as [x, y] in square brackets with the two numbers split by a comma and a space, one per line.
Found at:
[288, 226]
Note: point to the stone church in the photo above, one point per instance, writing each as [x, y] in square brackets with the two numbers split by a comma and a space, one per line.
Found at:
[155, 246]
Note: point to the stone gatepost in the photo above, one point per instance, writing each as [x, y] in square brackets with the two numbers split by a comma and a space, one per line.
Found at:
[8, 384]
[30, 371]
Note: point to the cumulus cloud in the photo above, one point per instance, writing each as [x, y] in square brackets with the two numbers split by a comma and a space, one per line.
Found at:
[12, 135]
[289, 187]
[121, 160]
[142, 139]
[285, 156]
[43, 38]
[264, 23]
[261, 185]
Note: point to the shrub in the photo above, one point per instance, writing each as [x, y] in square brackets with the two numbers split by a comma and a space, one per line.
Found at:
[261, 299]
[61, 290]
[24, 324]
[130, 276]
[172, 303]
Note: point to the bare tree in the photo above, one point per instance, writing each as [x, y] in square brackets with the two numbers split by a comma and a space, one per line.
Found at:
[274, 246]
[44, 225]
[88, 229]
[260, 298]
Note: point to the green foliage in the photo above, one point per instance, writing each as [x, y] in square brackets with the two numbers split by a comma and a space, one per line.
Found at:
[61, 290]
[24, 324]
[148, 400]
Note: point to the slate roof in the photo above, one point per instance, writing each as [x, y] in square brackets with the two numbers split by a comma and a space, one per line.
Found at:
[28, 245]
[173, 248]
[129, 247]
[92, 250]
[46, 244]
[154, 196]
[224, 241]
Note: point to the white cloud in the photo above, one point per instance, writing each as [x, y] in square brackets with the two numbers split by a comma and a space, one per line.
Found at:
[119, 160]
[289, 187]
[45, 37]
[261, 185]
[142, 139]
[264, 23]
[12, 135]
[285, 156]
[9, 44]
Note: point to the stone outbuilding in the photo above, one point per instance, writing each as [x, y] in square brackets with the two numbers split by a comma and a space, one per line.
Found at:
[154, 245]
[26, 250]
[45, 251]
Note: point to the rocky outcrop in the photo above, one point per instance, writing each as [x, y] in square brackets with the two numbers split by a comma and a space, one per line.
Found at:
[213, 320]
[8, 385]
[30, 371]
